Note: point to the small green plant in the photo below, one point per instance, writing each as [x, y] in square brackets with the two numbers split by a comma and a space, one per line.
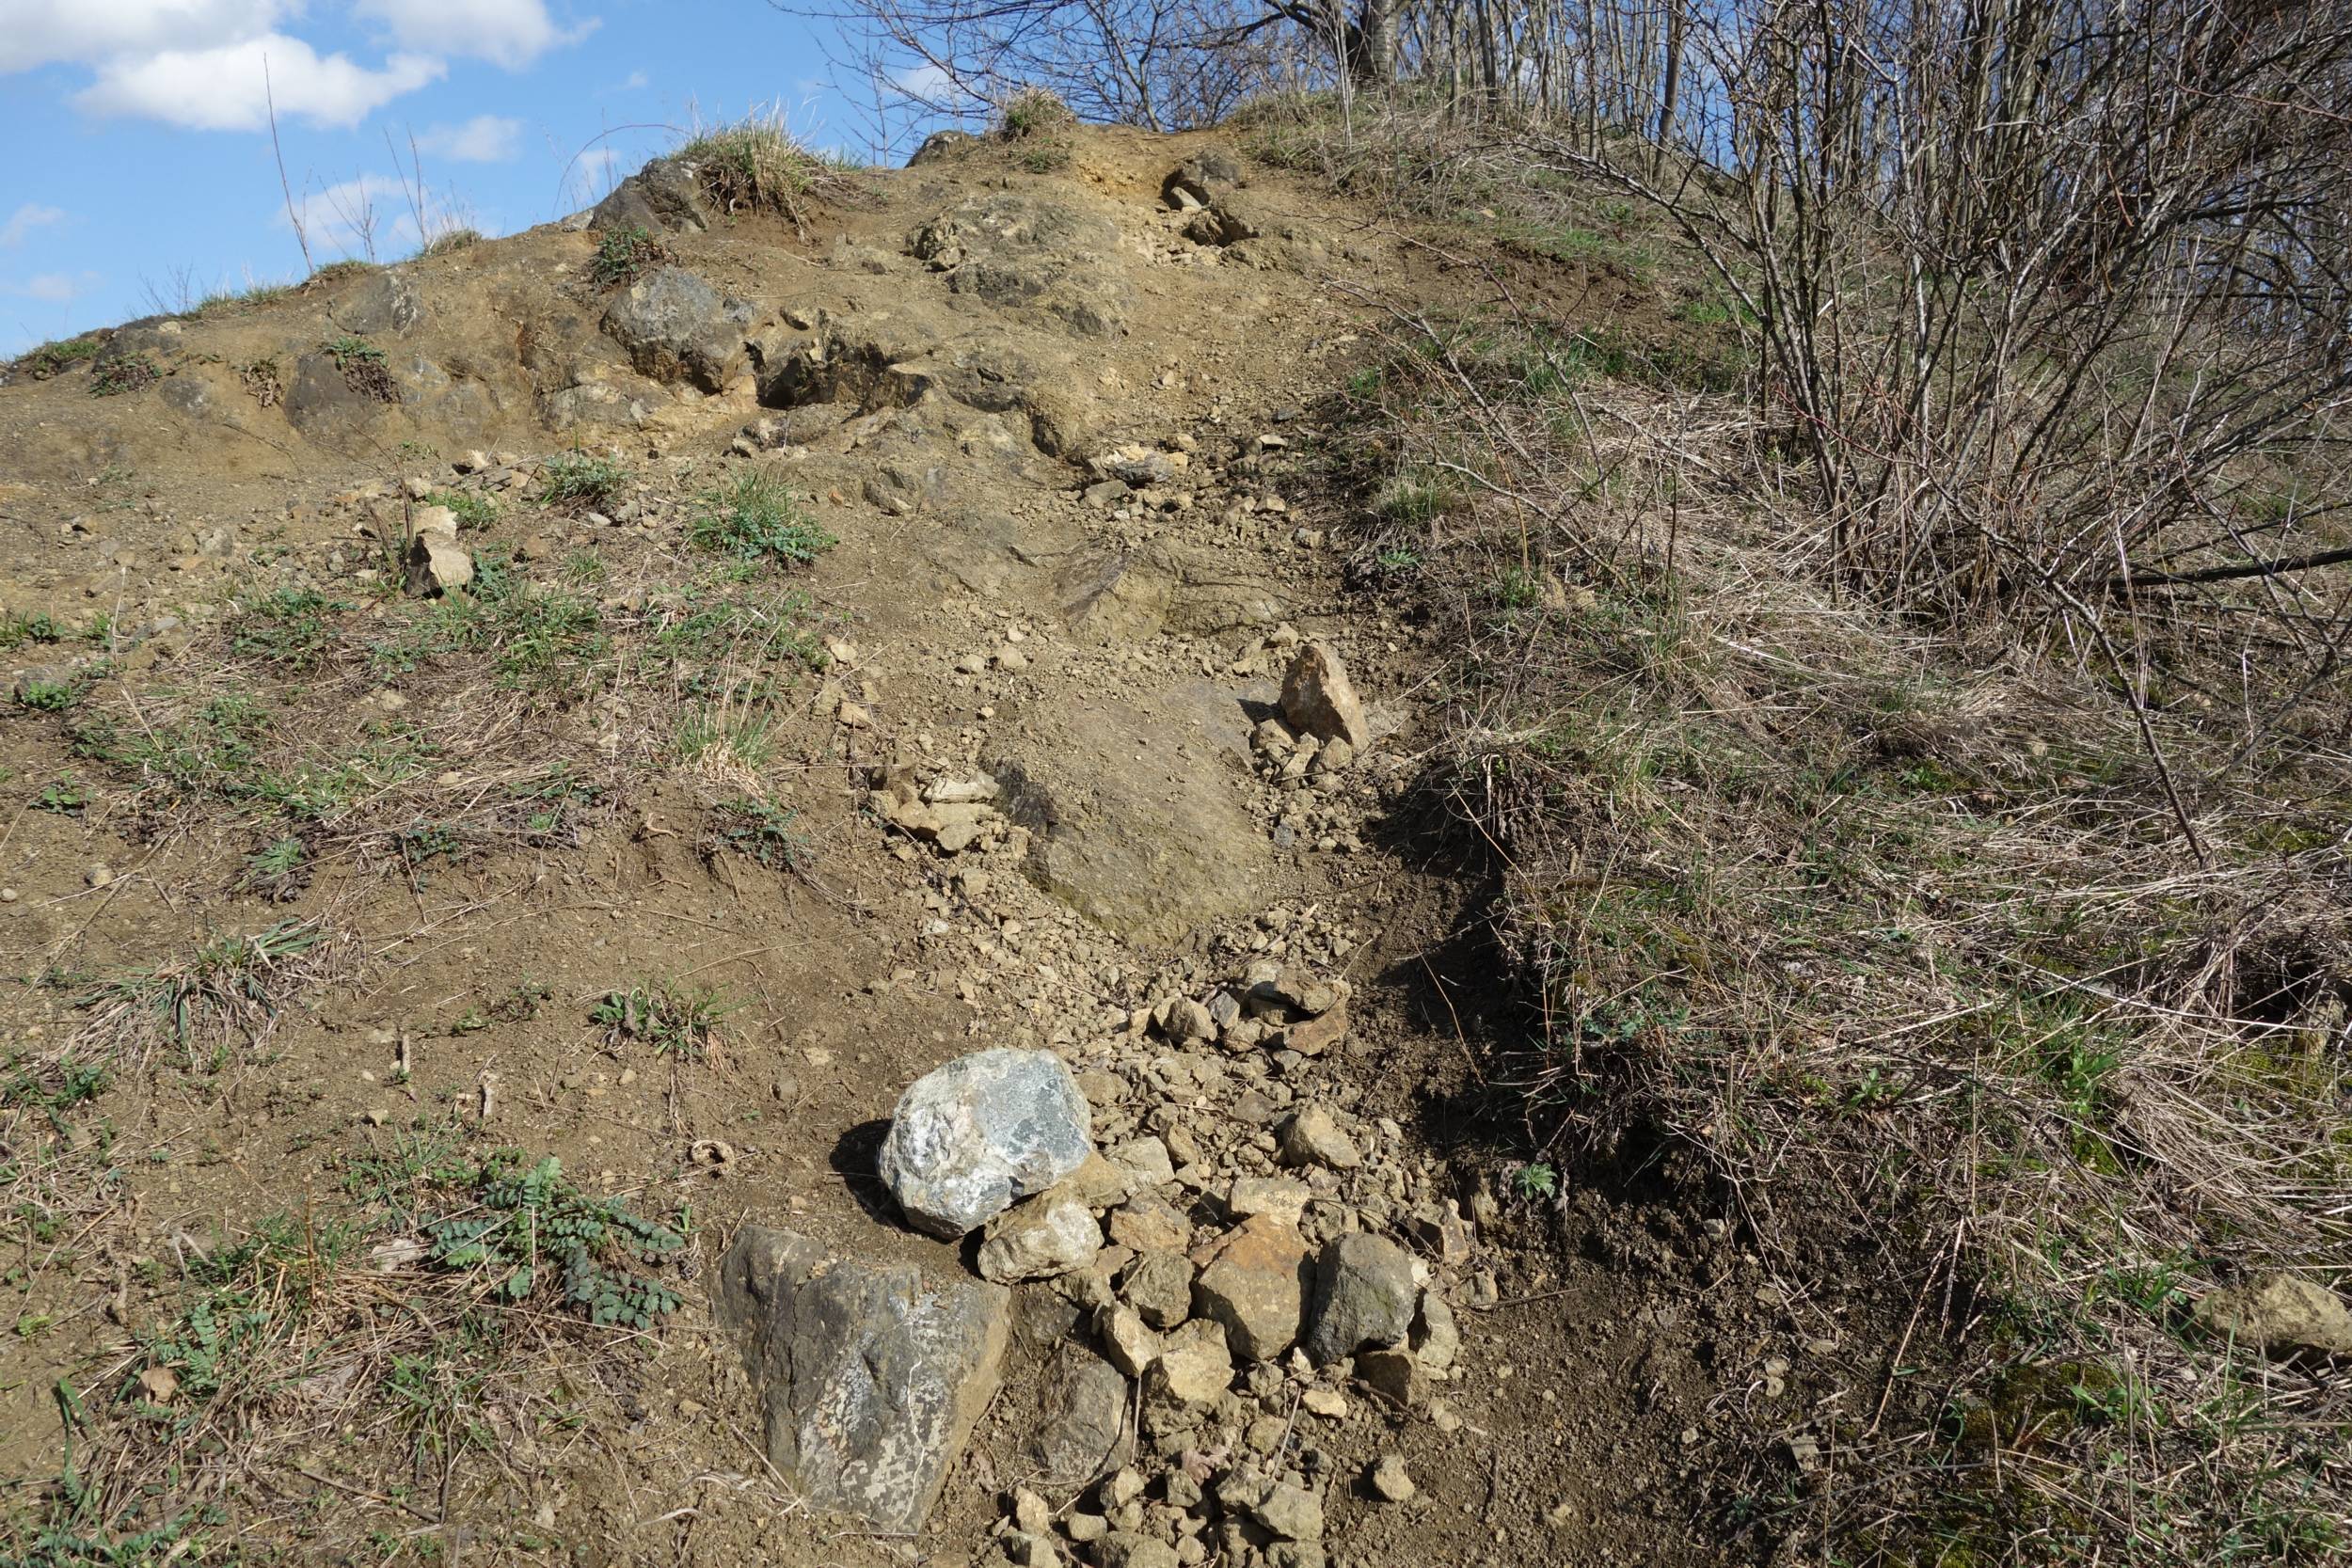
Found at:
[578, 476]
[127, 373]
[279, 870]
[623, 254]
[16, 630]
[365, 368]
[1046, 158]
[56, 1087]
[531, 1229]
[472, 507]
[1535, 1180]
[757, 521]
[675, 1021]
[1517, 588]
[347, 351]
[46, 696]
[67, 796]
[759, 829]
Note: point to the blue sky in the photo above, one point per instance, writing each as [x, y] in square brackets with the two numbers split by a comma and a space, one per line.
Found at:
[140, 166]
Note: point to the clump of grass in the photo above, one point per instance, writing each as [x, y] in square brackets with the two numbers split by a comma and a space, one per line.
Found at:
[580, 476]
[55, 358]
[286, 627]
[623, 254]
[127, 373]
[472, 507]
[450, 241]
[230, 302]
[757, 521]
[336, 270]
[729, 736]
[538, 639]
[232, 989]
[676, 1021]
[1033, 111]
[757, 165]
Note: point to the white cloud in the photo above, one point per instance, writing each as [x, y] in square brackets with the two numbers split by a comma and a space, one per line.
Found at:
[635, 83]
[54, 288]
[924, 81]
[25, 220]
[484, 139]
[513, 33]
[223, 88]
[46, 32]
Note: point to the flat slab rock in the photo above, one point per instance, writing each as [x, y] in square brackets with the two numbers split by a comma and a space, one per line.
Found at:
[869, 1376]
[1137, 818]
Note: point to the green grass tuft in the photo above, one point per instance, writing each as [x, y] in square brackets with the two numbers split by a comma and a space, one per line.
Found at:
[578, 476]
[757, 521]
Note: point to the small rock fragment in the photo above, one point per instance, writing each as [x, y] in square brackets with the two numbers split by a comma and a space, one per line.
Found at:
[2281, 1314]
[1390, 1481]
[1159, 1285]
[1363, 1297]
[1049, 1235]
[1313, 1138]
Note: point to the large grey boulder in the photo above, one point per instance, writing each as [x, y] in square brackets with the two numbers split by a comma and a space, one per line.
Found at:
[676, 326]
[970, 1137]
[869, 1378]
[1364, 1297]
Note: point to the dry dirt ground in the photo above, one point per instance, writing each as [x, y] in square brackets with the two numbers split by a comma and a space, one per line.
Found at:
[636, 756]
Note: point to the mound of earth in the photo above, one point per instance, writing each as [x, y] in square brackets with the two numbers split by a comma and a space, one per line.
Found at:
[856, 638]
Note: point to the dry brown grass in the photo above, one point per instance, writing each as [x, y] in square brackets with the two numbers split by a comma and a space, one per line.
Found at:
[1899, 930]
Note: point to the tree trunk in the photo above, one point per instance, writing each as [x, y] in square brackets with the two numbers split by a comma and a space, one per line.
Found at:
[1372, 44]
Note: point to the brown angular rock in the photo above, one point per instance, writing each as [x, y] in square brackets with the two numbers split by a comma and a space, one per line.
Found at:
[1253, 1280]
[1318, 699]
